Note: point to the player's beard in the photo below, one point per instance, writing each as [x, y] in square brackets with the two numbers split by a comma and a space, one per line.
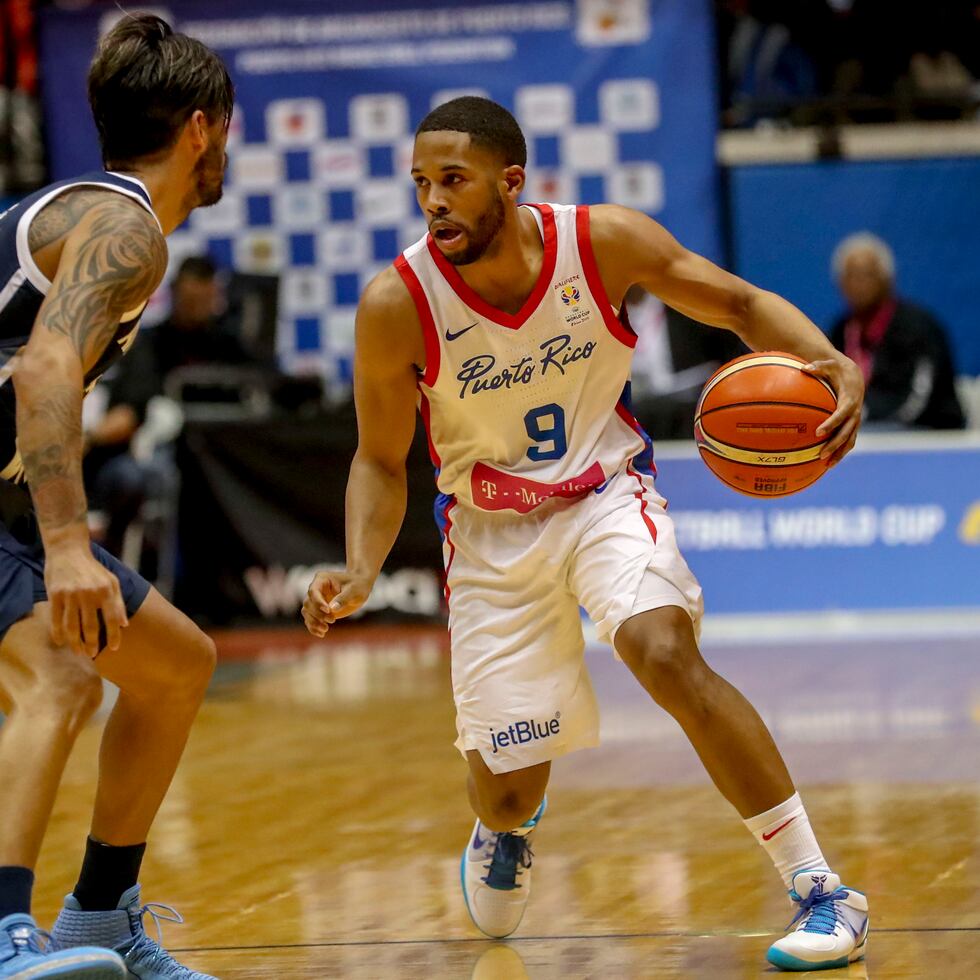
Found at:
[482, 234]
[210, 175]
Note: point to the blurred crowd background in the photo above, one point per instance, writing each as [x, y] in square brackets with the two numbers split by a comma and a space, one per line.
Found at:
[844, 160]
[825, 62]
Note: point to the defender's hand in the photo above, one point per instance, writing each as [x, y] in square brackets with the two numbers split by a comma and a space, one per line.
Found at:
[847, 381]
[332, 596]
[80, 588]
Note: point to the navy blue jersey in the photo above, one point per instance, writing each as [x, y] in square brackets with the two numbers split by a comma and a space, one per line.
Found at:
[22, 290]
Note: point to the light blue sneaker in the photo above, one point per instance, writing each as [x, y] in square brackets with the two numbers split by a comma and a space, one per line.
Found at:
[122, 931]
[833, 924]
[26, 954]
[496, 876]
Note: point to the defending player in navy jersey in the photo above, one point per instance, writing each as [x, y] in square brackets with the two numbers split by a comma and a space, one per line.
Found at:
[505, 325]
[78, 262]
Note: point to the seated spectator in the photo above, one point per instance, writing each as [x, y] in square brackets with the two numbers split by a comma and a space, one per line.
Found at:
[195, 332]
[116, 482]
[902, 349]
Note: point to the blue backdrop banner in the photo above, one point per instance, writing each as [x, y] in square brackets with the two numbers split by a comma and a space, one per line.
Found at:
[616, 98]
[895, 526]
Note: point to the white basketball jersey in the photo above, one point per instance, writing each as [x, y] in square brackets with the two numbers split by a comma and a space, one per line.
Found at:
[524, 407]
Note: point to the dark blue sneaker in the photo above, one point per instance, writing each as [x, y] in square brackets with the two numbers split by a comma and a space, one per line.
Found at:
[122, 931]
[26, 953]
[496, 876]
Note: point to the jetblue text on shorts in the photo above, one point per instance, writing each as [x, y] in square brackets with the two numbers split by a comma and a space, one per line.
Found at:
[522, 732]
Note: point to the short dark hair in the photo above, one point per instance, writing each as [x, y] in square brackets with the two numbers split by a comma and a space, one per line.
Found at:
[488, 124]
[196, 267]
[146, 81]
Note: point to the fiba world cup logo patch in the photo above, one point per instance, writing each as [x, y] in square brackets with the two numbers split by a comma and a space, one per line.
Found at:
[570, 295]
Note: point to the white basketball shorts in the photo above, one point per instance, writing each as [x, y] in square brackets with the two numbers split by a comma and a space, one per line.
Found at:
[516, 582]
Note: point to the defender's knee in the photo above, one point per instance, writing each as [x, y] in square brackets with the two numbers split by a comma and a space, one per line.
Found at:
[193, 666]
[65, 693]
[207, 659]
[198, 664]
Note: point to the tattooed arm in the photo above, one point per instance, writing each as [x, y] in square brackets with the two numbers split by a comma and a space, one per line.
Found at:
[111, 262]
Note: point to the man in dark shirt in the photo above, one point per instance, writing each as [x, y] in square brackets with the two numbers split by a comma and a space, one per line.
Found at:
[193, 334]
[902, 349]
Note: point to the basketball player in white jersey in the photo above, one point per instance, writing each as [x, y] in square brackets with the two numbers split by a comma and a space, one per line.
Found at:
[505, 324]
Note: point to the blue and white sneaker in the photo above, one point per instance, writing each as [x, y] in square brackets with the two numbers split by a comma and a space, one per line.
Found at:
[833, 924]
[496, 875]
[26, 953]
[122, 930]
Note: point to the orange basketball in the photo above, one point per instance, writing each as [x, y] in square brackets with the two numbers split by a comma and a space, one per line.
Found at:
[756, 422]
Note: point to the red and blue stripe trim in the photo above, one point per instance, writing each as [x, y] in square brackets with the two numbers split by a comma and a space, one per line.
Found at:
[643, 461]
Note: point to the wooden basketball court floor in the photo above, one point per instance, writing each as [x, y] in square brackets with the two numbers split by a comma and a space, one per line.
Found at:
[315, 827]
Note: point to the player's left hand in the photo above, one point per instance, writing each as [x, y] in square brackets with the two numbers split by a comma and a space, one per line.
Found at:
[332, 596]
[845, 377]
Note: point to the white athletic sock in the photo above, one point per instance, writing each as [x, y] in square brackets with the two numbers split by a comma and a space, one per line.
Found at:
[785, 833]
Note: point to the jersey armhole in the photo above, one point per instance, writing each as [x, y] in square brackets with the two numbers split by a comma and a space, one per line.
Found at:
[24, 256]
[618, 326]
[430, 335]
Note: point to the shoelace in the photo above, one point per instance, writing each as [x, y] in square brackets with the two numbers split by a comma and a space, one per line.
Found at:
[159, 917]
[511, 856]
[150, 953]
[821, 912]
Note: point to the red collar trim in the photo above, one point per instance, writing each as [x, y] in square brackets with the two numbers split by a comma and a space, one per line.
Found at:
[477, 304]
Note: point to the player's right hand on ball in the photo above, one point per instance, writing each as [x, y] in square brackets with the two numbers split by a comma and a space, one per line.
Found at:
[332, 596]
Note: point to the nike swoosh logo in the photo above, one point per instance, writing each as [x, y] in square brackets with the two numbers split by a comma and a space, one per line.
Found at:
[782, 826]
[459, 333]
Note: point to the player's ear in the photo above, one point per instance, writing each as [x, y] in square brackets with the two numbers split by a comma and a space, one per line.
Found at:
[514, 180]
[197, 131]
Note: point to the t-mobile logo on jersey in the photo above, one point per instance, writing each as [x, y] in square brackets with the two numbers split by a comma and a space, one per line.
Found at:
[522, 732]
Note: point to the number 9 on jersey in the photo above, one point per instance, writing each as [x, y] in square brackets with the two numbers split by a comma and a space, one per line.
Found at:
[546, 426]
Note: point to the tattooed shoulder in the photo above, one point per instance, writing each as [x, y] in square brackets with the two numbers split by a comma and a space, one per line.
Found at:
[112, 262]
[60, 215]
[130, 248]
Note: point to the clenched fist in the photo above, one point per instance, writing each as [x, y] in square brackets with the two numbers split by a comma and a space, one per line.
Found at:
[332, 596]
